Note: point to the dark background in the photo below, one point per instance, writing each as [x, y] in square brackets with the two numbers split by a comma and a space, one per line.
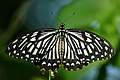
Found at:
[18, 17]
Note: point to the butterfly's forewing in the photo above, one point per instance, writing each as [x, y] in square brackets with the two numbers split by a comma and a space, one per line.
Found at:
[83, 47]
[39, 47]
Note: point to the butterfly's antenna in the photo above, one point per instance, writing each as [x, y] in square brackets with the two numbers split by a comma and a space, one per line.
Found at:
[64, 20]
[69, 17]
[57, 18]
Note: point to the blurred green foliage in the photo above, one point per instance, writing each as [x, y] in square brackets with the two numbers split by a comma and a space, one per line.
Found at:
[99, 16]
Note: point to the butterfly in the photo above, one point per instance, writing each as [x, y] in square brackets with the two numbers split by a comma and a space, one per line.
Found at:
[51, 48]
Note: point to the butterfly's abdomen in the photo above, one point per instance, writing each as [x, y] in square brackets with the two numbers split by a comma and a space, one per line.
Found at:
[61, 46]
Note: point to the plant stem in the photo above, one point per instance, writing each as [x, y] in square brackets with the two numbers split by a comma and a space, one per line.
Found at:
[49, 74]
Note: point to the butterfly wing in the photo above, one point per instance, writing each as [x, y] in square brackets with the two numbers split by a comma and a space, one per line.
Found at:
[83, 47]
[39, 47]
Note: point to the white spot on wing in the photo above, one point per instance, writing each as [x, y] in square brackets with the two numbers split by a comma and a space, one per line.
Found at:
[110, 55]
[14, 46]
[27, 34]
[92, 46]
[98, 59]
[41, 37]
[49, 55]
[23, 45]
[82, 44]
[89, 49]
[72, 64]
[106, 43]
[33, 39]
[35, 52]
[106, 48]
[97, 47]
[65, 54]
[8, 48]
[87, 59]
[96, 53]
[46, 41]
[89, 40]
[68, 57]
[105, 53]
[83, 58]
[14, 52]
[102, 56]
[111, 50]
[49, 64]
[85, 52]
[79, 36]
[9, 53]
[98, 38]
[39, 43]
[98, 44]
[67, 64]
[15, 41]
[54, 64]
[77, 62]
[29, 45]
[17, 54]
[43, 63]
[21, 57]
[27, 56]
[54, 53]
[31, 58]
[87, 34]
[31, 48]
[34, 34]
[23, 37]
[57, 47]
[23, 51]
[79, 51]
[72, 55]
[23, 42]
[92, 57]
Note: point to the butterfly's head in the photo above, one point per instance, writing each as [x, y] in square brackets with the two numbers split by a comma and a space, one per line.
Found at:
[62, 26]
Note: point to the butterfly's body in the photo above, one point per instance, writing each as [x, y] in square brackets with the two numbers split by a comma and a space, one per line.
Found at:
[50, 48]
[62, 36]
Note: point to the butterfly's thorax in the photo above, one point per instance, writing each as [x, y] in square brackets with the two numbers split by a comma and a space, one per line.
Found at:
[62, 31]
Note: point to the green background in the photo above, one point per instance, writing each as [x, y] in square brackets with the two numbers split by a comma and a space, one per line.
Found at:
[19, 17]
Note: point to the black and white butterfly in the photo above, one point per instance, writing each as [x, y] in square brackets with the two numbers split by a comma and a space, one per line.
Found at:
[50, 48]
